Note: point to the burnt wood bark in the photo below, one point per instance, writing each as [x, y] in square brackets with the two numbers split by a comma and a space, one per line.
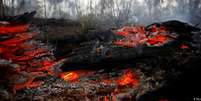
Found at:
[176, 26]
[112, 54]
[23, 18]
[182, 28]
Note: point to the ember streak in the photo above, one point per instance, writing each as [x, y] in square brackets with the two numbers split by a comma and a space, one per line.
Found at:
[70, 76]
[129, 78]
[5, 29]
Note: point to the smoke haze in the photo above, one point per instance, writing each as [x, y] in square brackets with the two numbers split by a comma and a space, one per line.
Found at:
[118, 11]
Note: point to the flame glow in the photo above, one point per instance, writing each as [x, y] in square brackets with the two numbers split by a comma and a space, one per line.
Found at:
[70, 76]
[158, 39]
[128, 79]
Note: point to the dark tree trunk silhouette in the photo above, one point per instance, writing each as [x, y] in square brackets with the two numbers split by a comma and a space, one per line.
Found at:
[1, 9]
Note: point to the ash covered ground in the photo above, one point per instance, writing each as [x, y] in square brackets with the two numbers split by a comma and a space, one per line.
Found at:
[154, 78]
[98, 68]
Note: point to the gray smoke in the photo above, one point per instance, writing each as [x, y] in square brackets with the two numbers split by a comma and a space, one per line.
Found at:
[116, 11]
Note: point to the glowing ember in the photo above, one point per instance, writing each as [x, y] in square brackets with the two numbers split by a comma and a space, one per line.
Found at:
[19, 39]
[128, 79]
[106, 98]
[160, 29]
[75, 75]
[158, 39]
[30, 59]
[70, 76]
[13, 29]
[135, 36]
[126, 31]
[184, 46]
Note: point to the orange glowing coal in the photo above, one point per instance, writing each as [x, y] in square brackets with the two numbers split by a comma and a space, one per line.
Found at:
[135, 36]
[126, 31]
[158, 39]
[128, 79]
[75, 75]
[23, 50]
[70, 76]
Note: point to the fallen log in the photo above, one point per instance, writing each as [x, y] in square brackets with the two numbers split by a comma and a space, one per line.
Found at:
[98, 52]
[114, 55]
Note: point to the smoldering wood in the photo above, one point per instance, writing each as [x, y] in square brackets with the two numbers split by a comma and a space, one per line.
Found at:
[182, 28]
[176, 26]
[99, 51]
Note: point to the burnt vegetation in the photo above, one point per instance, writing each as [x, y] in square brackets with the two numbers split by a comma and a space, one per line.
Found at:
[100, 51]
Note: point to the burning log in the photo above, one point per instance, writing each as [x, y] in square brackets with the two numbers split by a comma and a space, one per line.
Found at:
[138, 42]
[184, 30]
